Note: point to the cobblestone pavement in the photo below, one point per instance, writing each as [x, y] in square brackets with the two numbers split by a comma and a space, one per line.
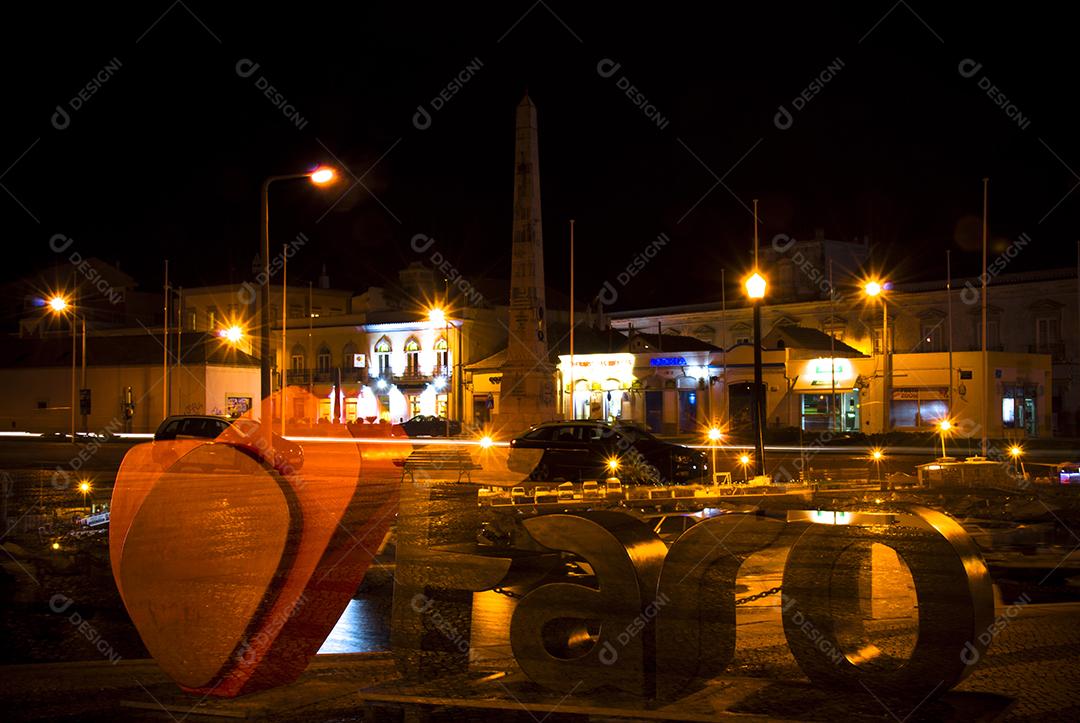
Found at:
[1034, 659]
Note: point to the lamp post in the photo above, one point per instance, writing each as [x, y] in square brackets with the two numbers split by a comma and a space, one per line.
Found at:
[85, 488]
[877, 456]
[1016, 452]
[744, 460]
[437, 317]
[320, 176]
[943, 428]
[876, 289]
[755, 290]
[59, 305]
[715, 435]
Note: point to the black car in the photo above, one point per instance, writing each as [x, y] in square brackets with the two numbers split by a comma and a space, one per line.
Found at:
[426, 425]
[243, 433]
[592, 449]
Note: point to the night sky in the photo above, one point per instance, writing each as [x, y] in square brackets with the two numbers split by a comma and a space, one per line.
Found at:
[166, 157]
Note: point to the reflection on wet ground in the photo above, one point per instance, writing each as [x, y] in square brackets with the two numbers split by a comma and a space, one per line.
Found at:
[364, 627]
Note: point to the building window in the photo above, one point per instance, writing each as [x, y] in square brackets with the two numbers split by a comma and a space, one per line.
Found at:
[993, 335]
[297, 358]
[382, 356]
[348, 356]
[931, 336]
[442, 358]
[212, 318]
[322, 360]
[412, 358]
[1047, 333]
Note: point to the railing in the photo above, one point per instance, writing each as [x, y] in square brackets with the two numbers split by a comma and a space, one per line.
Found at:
[1055, 349]
[327, 376]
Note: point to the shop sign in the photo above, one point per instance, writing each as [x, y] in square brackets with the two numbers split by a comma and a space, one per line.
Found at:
[668, 361]
[825, 372]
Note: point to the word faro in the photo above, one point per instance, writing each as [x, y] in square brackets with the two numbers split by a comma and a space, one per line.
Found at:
[564, 635]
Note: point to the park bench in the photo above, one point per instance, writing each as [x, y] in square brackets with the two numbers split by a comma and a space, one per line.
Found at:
[455, 460]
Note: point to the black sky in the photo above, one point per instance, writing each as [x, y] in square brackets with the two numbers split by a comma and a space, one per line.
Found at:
[165, 159]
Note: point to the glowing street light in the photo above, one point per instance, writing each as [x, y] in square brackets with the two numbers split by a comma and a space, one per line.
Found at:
[1016, 452]
[85, 488]
[714, 435]
[60, 305]
[943, 427]
[877, 455]
[486, 442]
[319, 176]
[875, 289]
[437, 316]
[755, 285]
[232, 334]
[323, 175]
[744, 460]
[613, 464]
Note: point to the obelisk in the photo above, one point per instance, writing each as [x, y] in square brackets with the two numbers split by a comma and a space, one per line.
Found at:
[527, 389]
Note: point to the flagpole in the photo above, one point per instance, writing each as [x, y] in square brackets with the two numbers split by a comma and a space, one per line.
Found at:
[985, 293]
[948, 301]
[573, 408]
[282, 368]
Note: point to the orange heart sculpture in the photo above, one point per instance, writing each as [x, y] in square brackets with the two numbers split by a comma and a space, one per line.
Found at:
[235, 566]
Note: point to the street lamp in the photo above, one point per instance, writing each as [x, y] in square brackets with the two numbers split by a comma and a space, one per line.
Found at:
[877, 456]
[876, 289]
[1016, 452]
[755, 290]
[232, 334]
[744, 460]
[943, 428]
[85, 488]
[59, 305]
[320, 176]
[715, 435]
[438, 316]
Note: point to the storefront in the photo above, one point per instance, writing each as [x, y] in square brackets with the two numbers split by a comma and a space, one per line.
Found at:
[828, 395]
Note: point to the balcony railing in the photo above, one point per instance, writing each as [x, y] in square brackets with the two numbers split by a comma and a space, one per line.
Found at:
[1056, 350]
[326, 376]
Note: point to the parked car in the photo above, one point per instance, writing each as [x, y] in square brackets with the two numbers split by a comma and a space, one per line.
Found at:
[592, 449]
[427, 425]
[243, 433]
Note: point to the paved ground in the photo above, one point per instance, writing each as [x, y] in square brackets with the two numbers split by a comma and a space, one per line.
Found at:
[1034, 660]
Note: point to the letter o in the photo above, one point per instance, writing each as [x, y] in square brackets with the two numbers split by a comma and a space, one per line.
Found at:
[952, 583]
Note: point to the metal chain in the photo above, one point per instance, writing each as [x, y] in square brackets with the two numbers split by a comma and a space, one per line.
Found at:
[758, 596]
[740, 601]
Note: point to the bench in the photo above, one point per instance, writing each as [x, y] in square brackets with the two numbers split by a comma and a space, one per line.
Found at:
[438, 460]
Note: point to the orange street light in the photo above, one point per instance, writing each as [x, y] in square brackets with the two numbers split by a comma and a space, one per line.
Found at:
[232, 334]
[58, 304]
[486, 442]
[714, 435]
[323, 175]
[755, 286]
[873, 288]
[943, 427]
[613, 464]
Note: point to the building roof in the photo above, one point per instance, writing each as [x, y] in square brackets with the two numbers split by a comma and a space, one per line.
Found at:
[669, 342]
[801, 337]
[143, 348]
